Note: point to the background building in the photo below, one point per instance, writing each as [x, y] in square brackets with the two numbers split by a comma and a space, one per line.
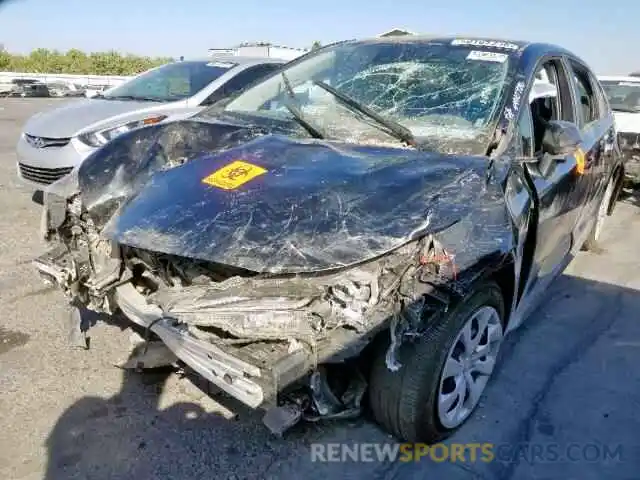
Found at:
[267, 49]
[260, 49]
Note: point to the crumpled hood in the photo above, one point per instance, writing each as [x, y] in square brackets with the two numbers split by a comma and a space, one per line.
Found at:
[315, 205]
[66, 121]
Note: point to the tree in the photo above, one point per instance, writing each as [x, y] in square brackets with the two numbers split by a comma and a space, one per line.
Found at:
[77, 62]
[316, 45]
[5, 61]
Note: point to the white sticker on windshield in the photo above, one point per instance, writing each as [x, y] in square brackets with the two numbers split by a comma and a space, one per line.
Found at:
[487, 56]
[485, 43]
[220, 64]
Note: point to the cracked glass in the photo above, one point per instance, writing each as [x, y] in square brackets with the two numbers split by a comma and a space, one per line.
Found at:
[447, 96]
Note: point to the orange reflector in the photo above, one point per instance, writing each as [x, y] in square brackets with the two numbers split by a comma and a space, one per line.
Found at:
[152, 120]
[580, 161]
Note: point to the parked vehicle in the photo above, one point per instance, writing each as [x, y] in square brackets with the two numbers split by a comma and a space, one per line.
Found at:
[38, 89]
[65, 89]
[374, 217]
[54, 142]
[96, 90]
[6, 87]
[624, 97]
[25, 87]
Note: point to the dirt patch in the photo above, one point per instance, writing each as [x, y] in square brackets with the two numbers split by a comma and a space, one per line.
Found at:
[10, 339]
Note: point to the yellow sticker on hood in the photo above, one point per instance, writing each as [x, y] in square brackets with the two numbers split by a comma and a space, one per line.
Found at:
[235, 174]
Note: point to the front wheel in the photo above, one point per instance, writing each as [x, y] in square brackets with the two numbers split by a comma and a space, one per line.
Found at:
[444, 374]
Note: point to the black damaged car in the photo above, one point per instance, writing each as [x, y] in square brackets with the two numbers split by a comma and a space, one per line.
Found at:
[359, 229]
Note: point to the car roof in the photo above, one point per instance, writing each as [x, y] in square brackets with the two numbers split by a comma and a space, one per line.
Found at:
[619, 78]
[535, 48]
[240, 60]
[438, 39]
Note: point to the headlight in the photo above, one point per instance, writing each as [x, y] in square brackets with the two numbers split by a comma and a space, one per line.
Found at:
[99, 138]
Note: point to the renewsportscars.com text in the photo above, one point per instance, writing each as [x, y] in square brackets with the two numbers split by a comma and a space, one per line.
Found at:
[466, 452]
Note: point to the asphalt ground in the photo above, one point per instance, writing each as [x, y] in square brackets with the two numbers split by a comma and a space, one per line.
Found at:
[562, 405]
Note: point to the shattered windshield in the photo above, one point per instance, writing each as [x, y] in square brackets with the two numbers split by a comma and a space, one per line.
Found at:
[437, 93]
[623, 96]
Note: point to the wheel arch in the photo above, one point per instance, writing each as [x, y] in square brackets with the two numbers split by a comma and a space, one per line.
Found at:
[505, 278]
[618, 175]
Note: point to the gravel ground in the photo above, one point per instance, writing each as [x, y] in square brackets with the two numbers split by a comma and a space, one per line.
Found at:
[568, 377]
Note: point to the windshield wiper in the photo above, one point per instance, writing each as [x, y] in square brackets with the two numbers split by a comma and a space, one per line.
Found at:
[388, 126]
[132, 97]
[297, 114]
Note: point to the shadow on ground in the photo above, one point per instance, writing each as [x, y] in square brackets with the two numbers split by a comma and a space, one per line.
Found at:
[566, 376]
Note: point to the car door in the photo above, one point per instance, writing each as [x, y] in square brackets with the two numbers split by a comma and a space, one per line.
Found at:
[556, 185]
[598, 137]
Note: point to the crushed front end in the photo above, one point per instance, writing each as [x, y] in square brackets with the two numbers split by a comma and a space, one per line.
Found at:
[255, 336]
[271, 291]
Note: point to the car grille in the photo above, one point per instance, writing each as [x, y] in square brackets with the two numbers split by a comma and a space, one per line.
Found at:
[44, 176]
[629, 140]
[44, 142]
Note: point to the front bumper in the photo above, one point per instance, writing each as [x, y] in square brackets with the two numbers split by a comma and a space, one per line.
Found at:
[39, 167]
[253, 375]
[240, 379]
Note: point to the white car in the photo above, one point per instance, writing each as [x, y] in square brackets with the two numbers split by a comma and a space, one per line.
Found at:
[52, 143]
[623, 93]
[92, 91]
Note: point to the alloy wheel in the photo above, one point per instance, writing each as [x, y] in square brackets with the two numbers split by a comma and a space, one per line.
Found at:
[468, 366]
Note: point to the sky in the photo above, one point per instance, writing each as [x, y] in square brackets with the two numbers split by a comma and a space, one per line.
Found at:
[606, 35]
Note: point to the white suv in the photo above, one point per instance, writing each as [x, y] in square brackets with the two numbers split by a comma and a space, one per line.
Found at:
[623, 93]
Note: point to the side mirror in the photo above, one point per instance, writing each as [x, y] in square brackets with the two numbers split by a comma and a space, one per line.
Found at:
[560, 138]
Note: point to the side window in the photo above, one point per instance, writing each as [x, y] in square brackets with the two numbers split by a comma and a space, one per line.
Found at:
[241, 81]
[544, 99]
[603, 101]
[549, 99]
[587, 100]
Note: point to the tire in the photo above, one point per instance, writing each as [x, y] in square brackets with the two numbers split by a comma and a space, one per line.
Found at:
[405, 402]
[592, 242]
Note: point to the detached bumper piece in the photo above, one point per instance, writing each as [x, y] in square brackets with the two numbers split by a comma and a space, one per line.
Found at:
[240, 379]
[51, 267]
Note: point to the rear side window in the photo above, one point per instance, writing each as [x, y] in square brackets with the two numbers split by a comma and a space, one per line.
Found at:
[587, 100]
[603, 101]
[248, 76]
[242, 80]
